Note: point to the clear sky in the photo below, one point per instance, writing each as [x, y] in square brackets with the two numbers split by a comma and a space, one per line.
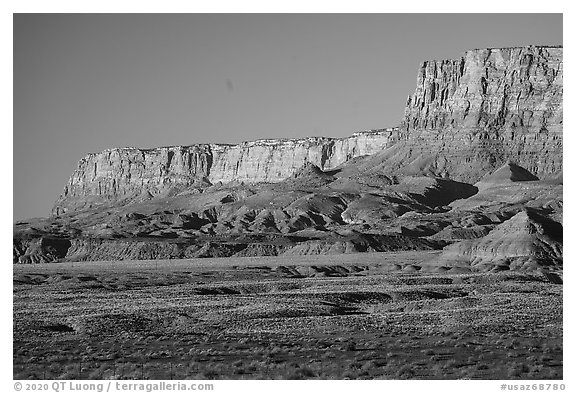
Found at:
[87, 82]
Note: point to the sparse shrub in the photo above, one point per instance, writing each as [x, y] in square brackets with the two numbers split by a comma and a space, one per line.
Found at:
[371, 365]
[354, 365]
[535, 372]
[517, 370]
[405, 372]
[307, 372]
[209, 374]
[514, 344]
[276, 349]
[548, 349]
[301, 373]
[482, 356]
[270, 347]
[350, 346]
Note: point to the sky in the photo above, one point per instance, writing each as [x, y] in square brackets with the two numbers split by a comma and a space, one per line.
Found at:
[87, 82]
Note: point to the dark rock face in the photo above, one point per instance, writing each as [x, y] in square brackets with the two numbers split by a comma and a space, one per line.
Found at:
[40, 250]
[475, 167]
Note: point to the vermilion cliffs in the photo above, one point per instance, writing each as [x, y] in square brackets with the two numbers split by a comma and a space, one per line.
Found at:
[117, 173]
[475, 169]
[430, 250]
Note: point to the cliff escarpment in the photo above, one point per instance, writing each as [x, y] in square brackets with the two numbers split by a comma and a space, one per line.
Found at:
[469, 116]
[466, 118]
[474, 169]
[128, 174]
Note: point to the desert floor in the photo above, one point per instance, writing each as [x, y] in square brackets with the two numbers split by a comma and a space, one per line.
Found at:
[351, 316]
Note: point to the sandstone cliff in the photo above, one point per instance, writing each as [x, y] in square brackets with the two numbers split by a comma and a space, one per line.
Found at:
[492, 118]
[466, 118]
[132, 173]
[469, 116]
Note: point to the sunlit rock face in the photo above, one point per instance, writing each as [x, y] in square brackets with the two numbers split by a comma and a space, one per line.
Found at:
[130, 173]
[466, 118]
[469, 116]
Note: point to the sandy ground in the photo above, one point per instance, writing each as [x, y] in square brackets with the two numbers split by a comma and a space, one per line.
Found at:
[370, 316]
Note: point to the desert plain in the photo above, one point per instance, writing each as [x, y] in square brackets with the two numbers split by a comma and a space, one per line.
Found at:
[360, 316]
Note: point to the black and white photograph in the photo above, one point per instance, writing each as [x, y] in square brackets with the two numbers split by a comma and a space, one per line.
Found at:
[287, 196]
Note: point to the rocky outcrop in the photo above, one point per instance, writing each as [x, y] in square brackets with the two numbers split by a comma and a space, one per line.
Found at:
[507, 174]
[99, 249]
[39, 250]
[272, 160]
[469, 116]
[475, 168]
[466, 118]
[128, 174]
[527, 241]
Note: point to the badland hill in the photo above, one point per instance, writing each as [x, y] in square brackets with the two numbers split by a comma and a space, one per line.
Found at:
[474, 169]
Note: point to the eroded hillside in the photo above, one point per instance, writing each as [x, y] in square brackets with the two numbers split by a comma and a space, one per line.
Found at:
[478, 158]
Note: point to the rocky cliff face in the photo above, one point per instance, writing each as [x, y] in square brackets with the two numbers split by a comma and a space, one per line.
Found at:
[129, 173]
[466, 118]
[469, 116]
[492, 118]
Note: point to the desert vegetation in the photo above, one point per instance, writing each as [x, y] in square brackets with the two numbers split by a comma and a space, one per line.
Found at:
[431, 250]
[317, 317]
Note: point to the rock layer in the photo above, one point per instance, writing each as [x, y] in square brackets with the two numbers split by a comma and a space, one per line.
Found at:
[466, 118]
[527, 241]
[130, 173]
[469, 116]
[492, 118]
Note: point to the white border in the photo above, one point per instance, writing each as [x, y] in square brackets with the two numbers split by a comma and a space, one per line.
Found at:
[294, 6]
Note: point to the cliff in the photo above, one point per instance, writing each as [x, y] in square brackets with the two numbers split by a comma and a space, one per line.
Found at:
[492, 118]
[467, 117]
[128, 173]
